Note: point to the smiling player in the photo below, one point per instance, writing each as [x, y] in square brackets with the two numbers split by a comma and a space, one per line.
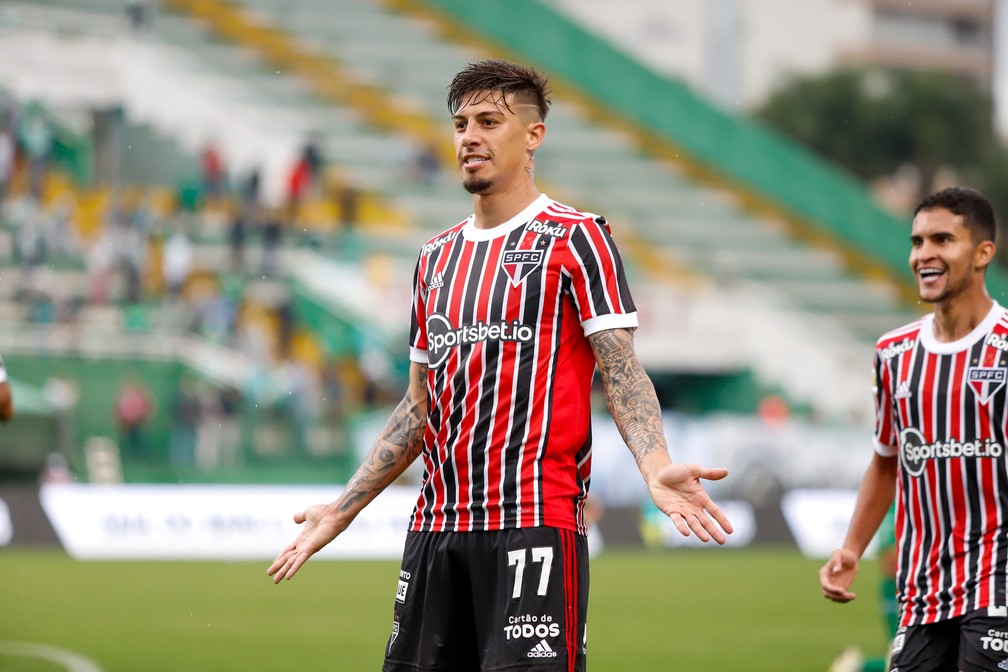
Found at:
[940, 444]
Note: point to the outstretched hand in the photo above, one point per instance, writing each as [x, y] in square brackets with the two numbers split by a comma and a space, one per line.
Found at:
[837, 575]
[320, 527]
[677, 491]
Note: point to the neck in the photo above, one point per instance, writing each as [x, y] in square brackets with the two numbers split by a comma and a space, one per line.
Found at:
[957, 318]
[494, 209]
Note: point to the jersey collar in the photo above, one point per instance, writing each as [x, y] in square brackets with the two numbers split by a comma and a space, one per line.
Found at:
[932, 344]
[473, 234]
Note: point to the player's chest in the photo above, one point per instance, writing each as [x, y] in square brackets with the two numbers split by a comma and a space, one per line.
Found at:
[489, 280]
[977, 377]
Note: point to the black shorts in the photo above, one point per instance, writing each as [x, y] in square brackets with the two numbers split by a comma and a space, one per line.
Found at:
[974, 642]
[507, 600]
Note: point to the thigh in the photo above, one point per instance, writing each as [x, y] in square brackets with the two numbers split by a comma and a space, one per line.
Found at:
[983, 640]
[432, 619]
[926, 648]
[530, 613]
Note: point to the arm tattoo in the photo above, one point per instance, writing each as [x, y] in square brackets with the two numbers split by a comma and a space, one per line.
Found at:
[399, 443]
[629, 392]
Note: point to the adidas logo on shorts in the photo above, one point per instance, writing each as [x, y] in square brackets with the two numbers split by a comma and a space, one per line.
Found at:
[542, 650]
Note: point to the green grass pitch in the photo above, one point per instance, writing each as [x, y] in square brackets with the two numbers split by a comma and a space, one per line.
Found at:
[689, 610]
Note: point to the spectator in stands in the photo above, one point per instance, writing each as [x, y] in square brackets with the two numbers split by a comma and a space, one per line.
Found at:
[63, 393]
[220, 444]
[37, 140]
[271, 239]
[187, 412]
[299, 182]
[6, 398]
[237, 234]
[214, 175]
[248, 192]
[134, 408]
[7, 155]
[138, 13]
[177, 261]
[349, 206]
[311, 156]
[426, 166]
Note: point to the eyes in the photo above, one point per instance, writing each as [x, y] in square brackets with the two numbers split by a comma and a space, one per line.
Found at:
[937, 239]
[484, 122]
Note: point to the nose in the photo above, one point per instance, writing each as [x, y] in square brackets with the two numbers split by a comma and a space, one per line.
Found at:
[921, 252]
[468, 136]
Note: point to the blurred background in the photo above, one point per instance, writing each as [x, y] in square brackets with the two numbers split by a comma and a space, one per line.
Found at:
[210, 211]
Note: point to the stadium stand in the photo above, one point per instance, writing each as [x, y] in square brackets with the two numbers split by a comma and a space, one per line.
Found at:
[728, 287]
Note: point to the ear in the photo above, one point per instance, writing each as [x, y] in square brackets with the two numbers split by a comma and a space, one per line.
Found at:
[984, 254]
[534, 135]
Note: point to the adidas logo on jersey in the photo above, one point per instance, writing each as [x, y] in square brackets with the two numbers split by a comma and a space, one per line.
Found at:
[437, 282]
[903, 391]
[542, 650]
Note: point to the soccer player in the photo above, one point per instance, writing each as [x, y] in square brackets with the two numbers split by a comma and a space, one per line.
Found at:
[940, 448]
[6, 399]
[513, 309]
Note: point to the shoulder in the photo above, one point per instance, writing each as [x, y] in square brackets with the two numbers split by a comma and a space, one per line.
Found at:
[899, 340]
[567, 216]
[440, 240]
[564, 221]
[1001, 326]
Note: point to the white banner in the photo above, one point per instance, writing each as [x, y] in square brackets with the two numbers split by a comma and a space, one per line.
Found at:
[818, 520]
[213, 522]
[658, 529]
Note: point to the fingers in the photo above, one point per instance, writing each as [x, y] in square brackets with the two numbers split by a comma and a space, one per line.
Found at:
[715, 511]
[837, 593]
[702, 525]
[712, 473]
[287, 564]
[835, 579]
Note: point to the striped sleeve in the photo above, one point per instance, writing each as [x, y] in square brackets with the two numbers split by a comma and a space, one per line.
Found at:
[418, 319]
[885, 432]
[598, 281]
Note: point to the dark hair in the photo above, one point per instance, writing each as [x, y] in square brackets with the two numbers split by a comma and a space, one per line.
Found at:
[526, 85]
[976, 211]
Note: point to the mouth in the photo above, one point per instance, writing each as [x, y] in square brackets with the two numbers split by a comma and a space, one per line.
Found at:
[930, 275]
[472, 161]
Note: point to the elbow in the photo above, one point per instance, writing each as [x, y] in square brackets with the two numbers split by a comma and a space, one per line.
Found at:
[6, 403]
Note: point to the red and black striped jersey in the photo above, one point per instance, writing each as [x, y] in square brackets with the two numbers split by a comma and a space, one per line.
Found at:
[941, 407]
[501, 316]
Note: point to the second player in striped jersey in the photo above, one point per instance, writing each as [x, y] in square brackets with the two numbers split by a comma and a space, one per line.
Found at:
[940, 436]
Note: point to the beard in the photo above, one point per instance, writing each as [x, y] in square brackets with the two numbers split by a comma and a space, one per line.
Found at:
[477, 185]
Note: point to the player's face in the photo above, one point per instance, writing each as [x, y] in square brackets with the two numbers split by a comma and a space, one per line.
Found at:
[494, 144]
[944, 257]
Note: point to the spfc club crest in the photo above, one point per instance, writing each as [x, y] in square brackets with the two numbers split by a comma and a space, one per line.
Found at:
[518, 264]
[985, 381]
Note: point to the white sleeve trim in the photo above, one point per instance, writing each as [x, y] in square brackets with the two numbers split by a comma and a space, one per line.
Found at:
[611, 321]
[417, 355]
[884, 450]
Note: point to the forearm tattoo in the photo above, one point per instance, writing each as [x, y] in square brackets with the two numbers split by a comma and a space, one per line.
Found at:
[629, 392]
[399, 443]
